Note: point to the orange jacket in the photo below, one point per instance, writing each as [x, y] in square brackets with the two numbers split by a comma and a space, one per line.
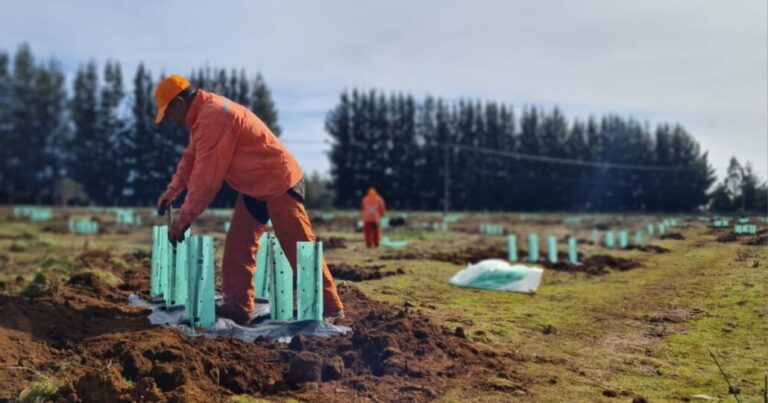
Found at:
[372, 207]
[228, 142]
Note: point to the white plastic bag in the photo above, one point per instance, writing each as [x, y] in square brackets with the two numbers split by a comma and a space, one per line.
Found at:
[495, 274]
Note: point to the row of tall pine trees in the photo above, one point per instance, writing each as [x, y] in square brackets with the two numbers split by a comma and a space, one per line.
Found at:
[97, 141]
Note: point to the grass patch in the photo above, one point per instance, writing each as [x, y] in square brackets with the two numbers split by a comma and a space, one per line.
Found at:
[38, 390]
[118, 262]
[250, 399]
[105, 276]
[600, 324]
[37, 287]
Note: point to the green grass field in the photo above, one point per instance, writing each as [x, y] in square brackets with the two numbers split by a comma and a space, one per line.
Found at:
[642, 332]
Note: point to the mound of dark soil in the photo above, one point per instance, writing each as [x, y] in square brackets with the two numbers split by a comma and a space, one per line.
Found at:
[461, 257]
[333, 243]
[672, 235]
[112, 353]
[361, 273]
[727, 237]
[595, 265]
[757, 240]
[649, 248]
[397, 222]
[90, 282]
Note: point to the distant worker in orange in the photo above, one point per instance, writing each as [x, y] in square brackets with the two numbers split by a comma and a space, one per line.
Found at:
[227, 142]
[372, 210]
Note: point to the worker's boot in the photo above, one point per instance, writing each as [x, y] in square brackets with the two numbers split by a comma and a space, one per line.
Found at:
[237, 315]
[333, 317]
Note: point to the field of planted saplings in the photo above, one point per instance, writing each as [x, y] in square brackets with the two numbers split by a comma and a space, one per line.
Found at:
[96, 305]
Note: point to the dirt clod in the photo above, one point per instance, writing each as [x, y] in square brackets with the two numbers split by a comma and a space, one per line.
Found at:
[297, 343]
[306, 367]
[610, 393]
[333, 243]
[649, 248]
[332, 369]
[460, 332]
[361, 273]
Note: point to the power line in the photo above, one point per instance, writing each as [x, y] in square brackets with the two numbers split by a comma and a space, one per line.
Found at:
[555, 160]
[570, 161]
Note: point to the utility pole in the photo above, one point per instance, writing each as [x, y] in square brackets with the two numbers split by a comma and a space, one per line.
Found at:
[446, 180]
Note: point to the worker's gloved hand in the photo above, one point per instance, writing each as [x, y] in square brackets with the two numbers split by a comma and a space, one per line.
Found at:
[176, 232]
[164, 201]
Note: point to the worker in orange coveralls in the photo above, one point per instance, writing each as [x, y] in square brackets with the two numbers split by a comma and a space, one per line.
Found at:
[227, 142]
[372, 210]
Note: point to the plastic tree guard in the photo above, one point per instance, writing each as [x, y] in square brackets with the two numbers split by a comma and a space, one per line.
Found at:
[280, 282]
[261, 277]
[175, 290]
[609, 241]
[737, 229]
[83, 226]
[384, 223]
[552, 248]
[639, 238]
[512, 248]
[160, 247]
[650, 229]
[200, 306]
[595, 236]
[623, 239]
[388, 243]
[573, 252]
[662, 229]
[533, 248]
[309, 282]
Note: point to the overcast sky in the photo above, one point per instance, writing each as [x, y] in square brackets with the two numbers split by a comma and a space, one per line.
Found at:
[701, 63]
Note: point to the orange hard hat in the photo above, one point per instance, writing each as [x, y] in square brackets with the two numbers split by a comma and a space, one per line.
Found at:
[167, 90]
[371, 191]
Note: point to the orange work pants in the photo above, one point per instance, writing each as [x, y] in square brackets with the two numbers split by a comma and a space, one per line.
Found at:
[371, 230]
[291, 225]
